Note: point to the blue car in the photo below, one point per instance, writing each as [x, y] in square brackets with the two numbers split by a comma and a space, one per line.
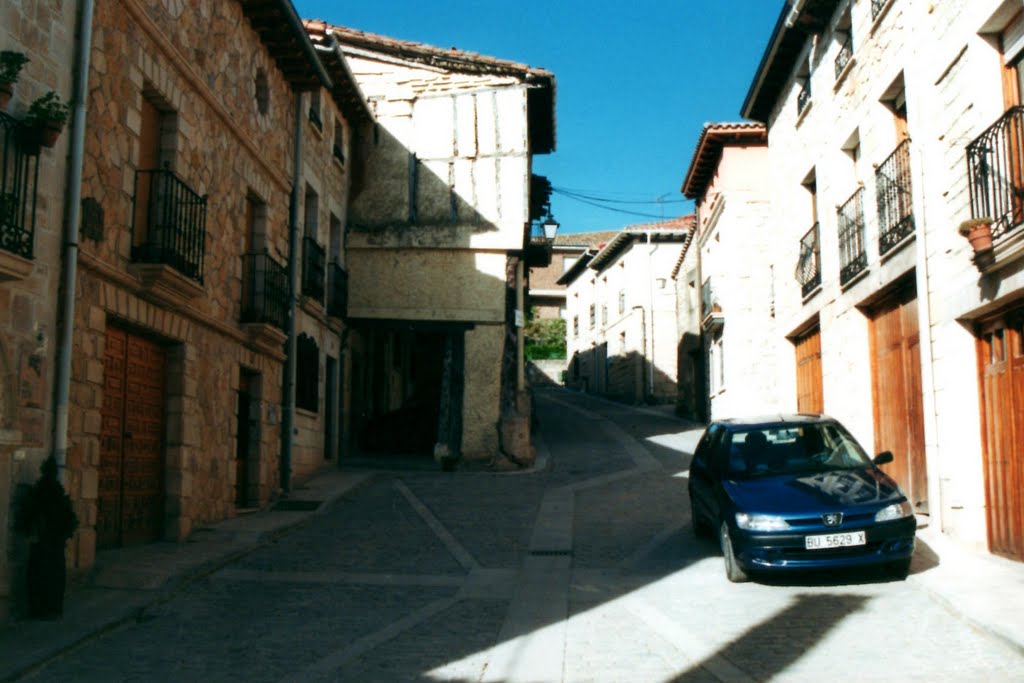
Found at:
[793, 492]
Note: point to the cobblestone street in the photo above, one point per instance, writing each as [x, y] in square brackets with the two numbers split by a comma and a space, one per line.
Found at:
[585, 570]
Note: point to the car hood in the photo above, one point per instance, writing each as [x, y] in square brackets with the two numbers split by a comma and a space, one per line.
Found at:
[814, 491]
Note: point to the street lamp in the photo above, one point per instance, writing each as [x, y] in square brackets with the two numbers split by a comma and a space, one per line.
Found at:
[550, 226]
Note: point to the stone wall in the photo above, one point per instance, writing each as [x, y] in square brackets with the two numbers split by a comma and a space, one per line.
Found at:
[28, 304]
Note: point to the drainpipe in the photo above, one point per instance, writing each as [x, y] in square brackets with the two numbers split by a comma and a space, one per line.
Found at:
[72, 210]
[643, 345]
[288, 386]
[651, 248]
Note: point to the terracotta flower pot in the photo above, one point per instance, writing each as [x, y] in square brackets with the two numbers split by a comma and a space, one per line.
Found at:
[49, 132]
[980, 237]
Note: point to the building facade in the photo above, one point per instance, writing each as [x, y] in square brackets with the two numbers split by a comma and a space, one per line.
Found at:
[33, 180]
[436, 244]
[621, 314]
[889, 123]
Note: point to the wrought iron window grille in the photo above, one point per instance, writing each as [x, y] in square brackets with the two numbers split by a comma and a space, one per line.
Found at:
[337, 291]
[19, 180]
[995, 171]
[845, 53]
[853, 258]
[264, 291]
[313, 269]
[877, 6]
[803, 98]
[173, 229]
[895, 198]
[808, 265]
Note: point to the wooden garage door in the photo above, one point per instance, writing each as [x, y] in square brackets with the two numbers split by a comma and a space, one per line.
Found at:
[1001, 350]
[896, 389]
[810, 397]
[130, 504]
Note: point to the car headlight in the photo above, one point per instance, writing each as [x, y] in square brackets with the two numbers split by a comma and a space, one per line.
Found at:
[894, 511]
[749, 522]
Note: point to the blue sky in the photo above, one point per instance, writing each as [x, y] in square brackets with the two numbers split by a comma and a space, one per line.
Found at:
[636, 81]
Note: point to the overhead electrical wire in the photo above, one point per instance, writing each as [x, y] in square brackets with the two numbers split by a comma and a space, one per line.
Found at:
[612, 208]
[575, 194]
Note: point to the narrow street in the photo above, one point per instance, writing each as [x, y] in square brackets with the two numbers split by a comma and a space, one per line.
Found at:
[585, 570]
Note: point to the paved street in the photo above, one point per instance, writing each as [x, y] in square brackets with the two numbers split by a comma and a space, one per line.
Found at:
[582, 571]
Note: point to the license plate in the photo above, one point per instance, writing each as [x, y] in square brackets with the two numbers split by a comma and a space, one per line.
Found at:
[826, 541]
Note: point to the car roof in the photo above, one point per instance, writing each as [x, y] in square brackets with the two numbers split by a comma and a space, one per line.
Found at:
[774, 420]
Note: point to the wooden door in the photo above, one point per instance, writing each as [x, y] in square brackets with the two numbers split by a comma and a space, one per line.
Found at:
[1001, 362]
[243, 445]
[130, 497]
[896, 389]
[810, 396]
[149, 160]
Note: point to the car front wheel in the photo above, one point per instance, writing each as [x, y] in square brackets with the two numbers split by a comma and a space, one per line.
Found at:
[733, 571]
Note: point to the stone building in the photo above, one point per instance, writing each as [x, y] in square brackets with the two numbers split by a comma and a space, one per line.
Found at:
[437, 245]
[547, 296]
[33, 180]
[622, 334]
[889, 123]
[733, 286]
[202, 123]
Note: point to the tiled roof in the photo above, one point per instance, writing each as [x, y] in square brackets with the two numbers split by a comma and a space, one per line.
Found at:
[344, 89]
[673, 229]
[585, 239]
[451, 58]
[708, 151]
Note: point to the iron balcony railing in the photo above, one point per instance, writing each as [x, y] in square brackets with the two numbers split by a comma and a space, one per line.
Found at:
[803, 98]
[337, 291]
[313, 269]
[808, 265]
[877, 6]
[893, 191]
[19, 177]
[995, 169]
[705, 297]
[169, 224]
[845, 52]
[264, 291]
[853, 258]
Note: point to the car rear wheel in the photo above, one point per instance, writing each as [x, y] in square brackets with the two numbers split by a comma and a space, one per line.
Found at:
[701, 529]
[733, 571]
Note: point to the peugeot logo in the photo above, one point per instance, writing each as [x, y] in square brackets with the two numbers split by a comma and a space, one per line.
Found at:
[832, 518]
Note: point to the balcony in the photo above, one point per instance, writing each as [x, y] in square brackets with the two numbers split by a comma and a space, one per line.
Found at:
[19, 175]
[845, 53]
[853, 259]
[712, 317]
[995, 170]
[808, 266]
[313, 269]
[264, 291]
[169, 228]
[895, 205]
[337, 291]
[803, 98]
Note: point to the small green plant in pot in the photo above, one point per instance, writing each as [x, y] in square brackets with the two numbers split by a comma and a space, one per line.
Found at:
[978, 232]
[45, 514]
[47, 116]
[11, 64]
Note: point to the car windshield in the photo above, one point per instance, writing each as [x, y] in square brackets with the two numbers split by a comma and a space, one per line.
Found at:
[792, 449]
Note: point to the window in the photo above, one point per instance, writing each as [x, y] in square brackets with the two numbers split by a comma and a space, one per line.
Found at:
[717, 364]
[622, 343]
[307, 374]
[262, 88]
[339, 141]
[593, 315]
[803, 81]
[622, 301]
[568, 262]
[312, 211]
[314, 110]
[844, 42]
[604, 315]
[575, 326]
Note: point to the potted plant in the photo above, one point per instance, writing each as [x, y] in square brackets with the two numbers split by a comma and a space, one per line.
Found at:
[45, 514]
[11, 63]
[46, 116]
[978, 232]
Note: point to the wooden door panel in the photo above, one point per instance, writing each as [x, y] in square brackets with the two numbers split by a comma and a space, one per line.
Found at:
[896, 387]
[108, 499]
[810, 396]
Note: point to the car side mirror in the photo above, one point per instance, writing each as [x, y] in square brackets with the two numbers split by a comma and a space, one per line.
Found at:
[883, 458]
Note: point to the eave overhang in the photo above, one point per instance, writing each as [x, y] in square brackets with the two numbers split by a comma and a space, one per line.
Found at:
[569, 276]
[713, 138]
[281, 30]
[345, 90]
[797, 20]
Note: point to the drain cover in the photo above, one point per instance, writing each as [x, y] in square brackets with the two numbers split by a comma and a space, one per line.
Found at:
[297, 505]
